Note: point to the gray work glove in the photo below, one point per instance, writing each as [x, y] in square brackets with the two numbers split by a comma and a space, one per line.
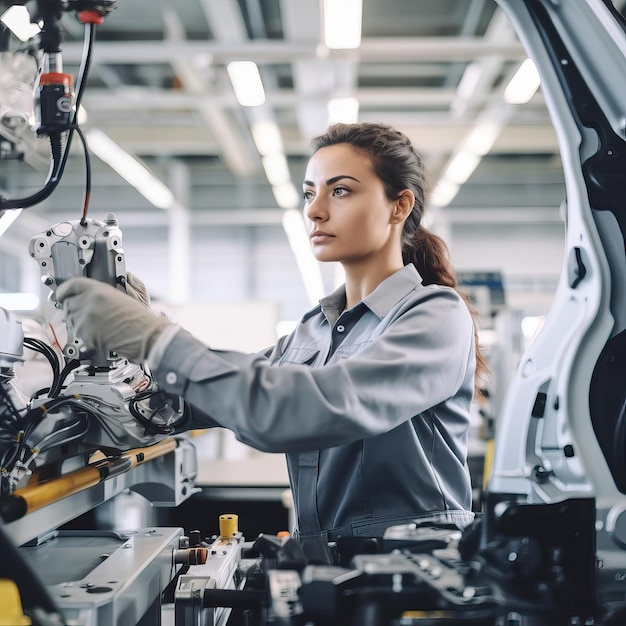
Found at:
[106, 318]
[136, 289]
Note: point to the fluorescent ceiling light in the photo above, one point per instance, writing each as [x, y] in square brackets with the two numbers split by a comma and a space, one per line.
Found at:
[444, 192]
[344, 110]
[17, 19]
[19, 301]
[286, 196]
[523, 85]
[462, 166]
[130, 169]
[482, 138]
[342, 23]
[276, 169]
[476, 144]
[246, 80]
[469, 81]
[267, 137]
[7, 218]
[309, 267]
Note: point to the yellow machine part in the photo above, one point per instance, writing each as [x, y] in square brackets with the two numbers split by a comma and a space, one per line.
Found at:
[11, 613]
[229, 525]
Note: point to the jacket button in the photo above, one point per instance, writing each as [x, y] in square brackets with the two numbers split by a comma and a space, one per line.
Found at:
[171, 378]
[340, 328]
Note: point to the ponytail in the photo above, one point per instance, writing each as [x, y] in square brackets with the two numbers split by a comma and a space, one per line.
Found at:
[431, 257]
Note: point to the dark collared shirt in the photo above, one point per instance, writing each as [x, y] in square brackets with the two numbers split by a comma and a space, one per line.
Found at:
[371, 405]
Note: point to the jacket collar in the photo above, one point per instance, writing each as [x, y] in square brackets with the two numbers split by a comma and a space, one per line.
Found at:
[380, 301]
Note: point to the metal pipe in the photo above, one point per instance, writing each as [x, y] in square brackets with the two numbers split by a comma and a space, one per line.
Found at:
[33, 497]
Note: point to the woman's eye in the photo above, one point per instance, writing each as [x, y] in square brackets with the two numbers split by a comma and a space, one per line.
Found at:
[307, 195]
[339, 191]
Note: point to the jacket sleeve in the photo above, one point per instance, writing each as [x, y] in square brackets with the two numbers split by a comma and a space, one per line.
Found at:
[422, 358]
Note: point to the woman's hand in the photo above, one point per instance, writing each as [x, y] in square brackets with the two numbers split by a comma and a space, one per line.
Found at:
[105, 318]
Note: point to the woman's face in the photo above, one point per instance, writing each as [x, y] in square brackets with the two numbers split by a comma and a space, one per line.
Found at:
[349, 218]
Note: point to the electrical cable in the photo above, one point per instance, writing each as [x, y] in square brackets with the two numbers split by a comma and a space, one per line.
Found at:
[90, 35]
[55, 390]
[18, 448]
[45, 444]
[87, 198]
[147, 423]
[149, 426]
[11, 439]
[39, 346]
[6, 399]
[14, 456]
[83, 70]
[34, 416]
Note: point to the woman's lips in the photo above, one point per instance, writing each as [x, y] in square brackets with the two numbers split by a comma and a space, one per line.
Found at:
[319, 237]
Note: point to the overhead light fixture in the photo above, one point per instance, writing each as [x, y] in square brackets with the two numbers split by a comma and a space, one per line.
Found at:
[267, 137]
[456, 173]
[444, 192]
[17, 19]
[7, 218]
[343, 23]
[524, 84]
[469, 81]
[468, 155]
[247, 84]
[344, 110]
[276, 168]
[268, 141]
[130, 169]
[482, 137]
[309, 267]
[286, 195]
[462, 166]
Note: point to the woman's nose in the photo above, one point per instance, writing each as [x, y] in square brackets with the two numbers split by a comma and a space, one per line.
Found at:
[315, 209]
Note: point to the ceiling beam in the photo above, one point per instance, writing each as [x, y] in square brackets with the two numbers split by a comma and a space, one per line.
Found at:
[150, 99]
[379, 49]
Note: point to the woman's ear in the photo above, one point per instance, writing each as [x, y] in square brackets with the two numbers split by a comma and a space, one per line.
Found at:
[403, 205]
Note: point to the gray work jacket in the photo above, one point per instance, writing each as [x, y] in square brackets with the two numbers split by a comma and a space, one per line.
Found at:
[371, 405]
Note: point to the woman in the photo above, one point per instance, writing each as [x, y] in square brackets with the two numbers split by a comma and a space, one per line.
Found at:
[369, 397]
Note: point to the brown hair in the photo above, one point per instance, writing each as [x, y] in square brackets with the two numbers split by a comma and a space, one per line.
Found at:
[399, 166]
